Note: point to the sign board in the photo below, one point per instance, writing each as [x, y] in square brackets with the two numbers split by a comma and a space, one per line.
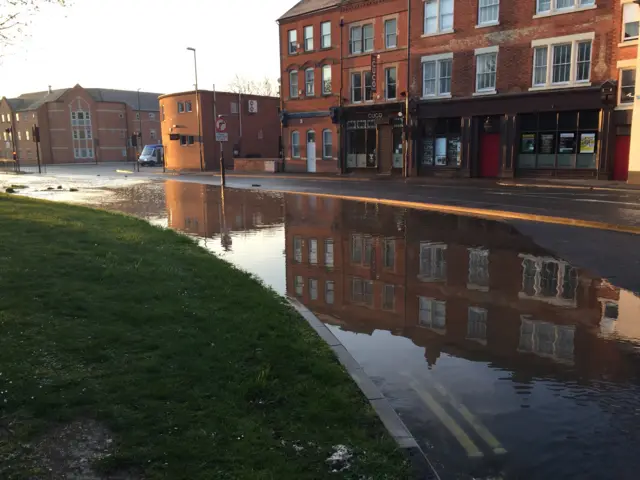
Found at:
[253, 106]
[221, 130]
[174, 136]
[374, 73]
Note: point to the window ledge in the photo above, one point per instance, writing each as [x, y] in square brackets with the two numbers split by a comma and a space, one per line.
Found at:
[625, 107]
[630, 43]
[560, 86]
[437, 34]
[482, 93]
[564, 11]
[368, 52]
[486, 25]
[436, 97]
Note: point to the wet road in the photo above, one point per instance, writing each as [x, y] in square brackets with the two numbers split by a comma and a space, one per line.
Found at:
[504, 359]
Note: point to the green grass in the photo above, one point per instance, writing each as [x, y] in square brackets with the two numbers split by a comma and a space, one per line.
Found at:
[198, 370]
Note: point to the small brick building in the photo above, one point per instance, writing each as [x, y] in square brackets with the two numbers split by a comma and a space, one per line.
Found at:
[252, 124]
[78, 125]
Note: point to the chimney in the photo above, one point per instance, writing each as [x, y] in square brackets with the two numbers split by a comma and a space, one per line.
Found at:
[50, 91]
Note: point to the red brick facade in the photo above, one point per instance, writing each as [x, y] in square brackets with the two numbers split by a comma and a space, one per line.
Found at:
[79, 125]
[468, 74]
[251, 134]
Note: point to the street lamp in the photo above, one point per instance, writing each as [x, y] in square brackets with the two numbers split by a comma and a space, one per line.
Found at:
[137, 166]
[195, 66]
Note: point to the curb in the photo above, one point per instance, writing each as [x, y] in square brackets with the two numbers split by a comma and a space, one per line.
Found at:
[390, 419]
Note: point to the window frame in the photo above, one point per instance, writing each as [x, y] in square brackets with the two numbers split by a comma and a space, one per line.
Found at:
[352, 89]
[481, 54]
[323, 70]
[388, 35]
[324, 36]
[577, 5]
[292, 41]
[620, 102]
[439, 29]
[188, 106]
[496, 3]
[324, 144]
[296, 93]
[294, 144]
[623, 38]
[305, 29]
[550, 44]
[311, 82]
[362, 40]
[438, 60]
[387, 70]
[180, 107]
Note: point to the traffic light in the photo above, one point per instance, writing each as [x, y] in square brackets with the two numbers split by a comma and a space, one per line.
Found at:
[35, 133]
[134, 140]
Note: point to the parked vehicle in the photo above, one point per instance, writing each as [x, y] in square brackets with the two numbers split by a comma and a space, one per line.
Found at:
[151, 156]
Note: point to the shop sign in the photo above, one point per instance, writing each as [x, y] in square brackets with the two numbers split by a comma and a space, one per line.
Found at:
[374, 73]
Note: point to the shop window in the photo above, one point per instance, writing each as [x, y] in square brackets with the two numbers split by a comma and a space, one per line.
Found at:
[361, 144]
[398, 146]
[562, 140]
[441, 143]
[631, 21]
[627, 86]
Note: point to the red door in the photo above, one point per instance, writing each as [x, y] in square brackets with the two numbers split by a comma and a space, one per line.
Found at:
[489, 155]
[621, 162]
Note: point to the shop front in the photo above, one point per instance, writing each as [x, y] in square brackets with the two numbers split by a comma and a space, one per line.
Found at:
[561, 133]
[374, 139]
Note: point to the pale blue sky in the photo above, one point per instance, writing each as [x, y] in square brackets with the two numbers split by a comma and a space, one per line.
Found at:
[132, 44]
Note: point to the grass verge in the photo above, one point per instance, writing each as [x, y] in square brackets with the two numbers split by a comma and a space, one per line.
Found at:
[197, 370]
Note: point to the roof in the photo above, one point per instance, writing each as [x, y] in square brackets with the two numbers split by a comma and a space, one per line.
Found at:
[308, 6]
[32, 101]
[148, 101]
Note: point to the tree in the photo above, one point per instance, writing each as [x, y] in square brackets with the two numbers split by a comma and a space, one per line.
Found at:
[243, 85]
[15, 16]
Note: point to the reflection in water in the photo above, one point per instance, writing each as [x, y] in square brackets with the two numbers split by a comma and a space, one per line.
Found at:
[504, 360]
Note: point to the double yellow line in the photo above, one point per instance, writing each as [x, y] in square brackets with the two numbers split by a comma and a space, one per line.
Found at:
[454, 427]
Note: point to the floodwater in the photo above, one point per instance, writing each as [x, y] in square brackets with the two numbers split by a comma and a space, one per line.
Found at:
[503, 360]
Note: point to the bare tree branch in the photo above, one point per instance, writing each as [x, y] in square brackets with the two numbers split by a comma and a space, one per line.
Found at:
[16, 16]
[243, 85]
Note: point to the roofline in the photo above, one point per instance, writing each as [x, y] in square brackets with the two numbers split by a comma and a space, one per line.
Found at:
[220, 92]
[312, 12]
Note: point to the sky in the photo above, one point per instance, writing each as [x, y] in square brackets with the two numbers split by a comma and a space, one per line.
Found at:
[131, 44]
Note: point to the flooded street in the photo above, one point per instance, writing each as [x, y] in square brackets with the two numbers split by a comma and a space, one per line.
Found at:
[504, 360]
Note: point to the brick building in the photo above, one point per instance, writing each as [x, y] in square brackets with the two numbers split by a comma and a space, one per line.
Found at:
[78, 125]
[466, 88]
[252, 125]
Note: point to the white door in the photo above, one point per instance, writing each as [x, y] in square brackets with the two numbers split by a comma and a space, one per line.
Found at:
[311, 151]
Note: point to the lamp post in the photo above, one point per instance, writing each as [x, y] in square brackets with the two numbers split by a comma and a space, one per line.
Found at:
[137, 165]
[195, 66]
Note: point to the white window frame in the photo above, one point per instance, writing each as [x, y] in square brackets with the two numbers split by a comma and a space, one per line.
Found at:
[630, 40]
[325, 144]
[295, 133]
[329, 253]
[438, 59]
[293, 93]
[391, 35]
[308, 41]
[325, 36]
[323, 71]
[550, 43]
[576, 6]
[152, 116]
[292, 40]
[484, 5]
[329, 298]
[363, 40]
[180, 107]
[188, 106]
[429, 319]
[439, 29]
[480, 54]
[307, 83]
[152, 134]
[622, 68]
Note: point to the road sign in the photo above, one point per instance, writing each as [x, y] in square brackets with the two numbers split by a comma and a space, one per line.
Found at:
[221, 130]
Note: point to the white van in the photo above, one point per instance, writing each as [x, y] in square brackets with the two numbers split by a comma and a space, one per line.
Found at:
[151, 156]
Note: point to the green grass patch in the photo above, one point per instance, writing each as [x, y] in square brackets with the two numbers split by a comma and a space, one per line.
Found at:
[197, 370]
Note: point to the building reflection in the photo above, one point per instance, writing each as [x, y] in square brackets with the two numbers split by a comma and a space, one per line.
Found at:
[467, 287]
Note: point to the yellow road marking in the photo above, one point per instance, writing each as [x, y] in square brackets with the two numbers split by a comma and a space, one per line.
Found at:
[567, 187]
[124, 171]
[451, 425]
[477, 425]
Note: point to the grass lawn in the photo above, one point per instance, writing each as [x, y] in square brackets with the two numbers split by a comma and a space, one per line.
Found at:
[134, 348]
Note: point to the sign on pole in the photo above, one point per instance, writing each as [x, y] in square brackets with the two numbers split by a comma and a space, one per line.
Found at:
[221, 130]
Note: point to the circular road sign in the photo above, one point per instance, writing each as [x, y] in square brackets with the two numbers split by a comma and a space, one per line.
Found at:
[221, 125]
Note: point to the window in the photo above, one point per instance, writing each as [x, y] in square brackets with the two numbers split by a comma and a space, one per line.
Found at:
[329, 288]
[233, 108]
[17, 117]
[361, 39]
[627, 86]
[631, 21]
[361, 249]
[152, 134]
[389, 253]
[295, 144]
[187, 106]
[438, 16]
[2, 117]
[547, 339]
[293, 42]
[26, 134]
[357, 86]
[89, 134]
[137, 115]
[486, 65]
[328, 252]
[390, 33]
[478, 269]
[327, 144]
[19, 135]
[389, 297]
[488, 11]
[313, 251]
[441, 144]
[297, 249]
[436, 75]
[433, 262]
[293, 84]
[562, 63]
[326, 80]
[180, 107]
[308, 38]
[152, 116]
[325, 35]
[299, 285]
[191, 139]
[183, 140]
[313, 289]
[75, 135]
[477, 324]
[362, 291]
[89, 152]
[390, 83]
[432, 313]
[546, 7]
[309, 80]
